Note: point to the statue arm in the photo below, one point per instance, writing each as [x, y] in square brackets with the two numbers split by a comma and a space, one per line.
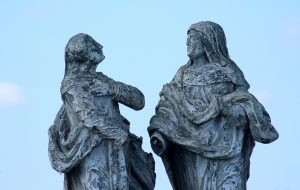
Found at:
[128, 95]
[244, 106]
[120, 92]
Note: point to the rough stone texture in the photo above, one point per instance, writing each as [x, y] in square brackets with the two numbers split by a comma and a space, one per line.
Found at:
[90, 140]
[206, 122]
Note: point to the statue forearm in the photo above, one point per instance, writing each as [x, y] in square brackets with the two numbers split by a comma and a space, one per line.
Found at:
[129, 96]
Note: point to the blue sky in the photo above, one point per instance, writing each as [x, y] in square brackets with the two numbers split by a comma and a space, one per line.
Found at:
[144, 45]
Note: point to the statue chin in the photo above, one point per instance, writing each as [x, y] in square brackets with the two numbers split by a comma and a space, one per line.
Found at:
[191, 56]
[103, 57]
[100, 59]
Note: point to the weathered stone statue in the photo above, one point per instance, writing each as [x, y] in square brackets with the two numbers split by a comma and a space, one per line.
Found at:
[206, 121]
[90, 140]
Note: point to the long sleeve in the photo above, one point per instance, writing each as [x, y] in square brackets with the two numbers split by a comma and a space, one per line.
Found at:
[125, 94]
[259, 121]
[129, 96]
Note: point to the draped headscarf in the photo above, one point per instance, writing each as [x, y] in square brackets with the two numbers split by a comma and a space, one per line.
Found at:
[214, 42]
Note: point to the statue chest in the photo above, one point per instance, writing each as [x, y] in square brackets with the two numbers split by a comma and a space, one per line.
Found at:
[205, 75]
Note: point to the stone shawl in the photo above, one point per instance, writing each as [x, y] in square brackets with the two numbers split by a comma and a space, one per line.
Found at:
[68, 147]
[199, 128]
[76, 128]
[73, 135]
[202, 128]
[181, 123]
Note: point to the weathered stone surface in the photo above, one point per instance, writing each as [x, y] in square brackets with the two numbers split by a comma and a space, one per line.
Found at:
[90, 140]
[206, 122]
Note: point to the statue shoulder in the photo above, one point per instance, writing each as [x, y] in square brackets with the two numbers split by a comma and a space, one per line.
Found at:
[179, 74]
[75, 83]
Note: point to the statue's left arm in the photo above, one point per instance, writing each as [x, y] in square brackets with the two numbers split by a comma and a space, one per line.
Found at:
[241, 105]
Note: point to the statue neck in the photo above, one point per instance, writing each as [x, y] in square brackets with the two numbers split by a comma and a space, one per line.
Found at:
[89, 68]
[86, 67]
[200, 60]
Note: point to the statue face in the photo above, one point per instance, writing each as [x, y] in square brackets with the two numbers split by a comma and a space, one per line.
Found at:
[95, 52]
[194, 45]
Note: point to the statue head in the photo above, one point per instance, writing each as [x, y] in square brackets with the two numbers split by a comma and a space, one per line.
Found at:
[212, 37]
[194, 45]
[83, 50]
[211, 41]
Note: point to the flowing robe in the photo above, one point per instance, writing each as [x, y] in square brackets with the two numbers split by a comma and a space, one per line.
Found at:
[207, 125]
[83, 136]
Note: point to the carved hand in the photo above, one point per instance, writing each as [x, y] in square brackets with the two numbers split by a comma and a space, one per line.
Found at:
[236, 116]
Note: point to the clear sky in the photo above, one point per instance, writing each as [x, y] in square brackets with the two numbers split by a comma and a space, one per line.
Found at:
[144, 45]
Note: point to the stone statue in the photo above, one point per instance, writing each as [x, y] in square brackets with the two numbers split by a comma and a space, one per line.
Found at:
[206, 122]
[90, 140]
